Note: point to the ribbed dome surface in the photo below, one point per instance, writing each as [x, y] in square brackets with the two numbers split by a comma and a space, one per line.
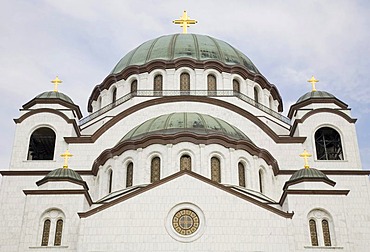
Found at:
[193, 46]
[54, 95]
[307, 173]
[64, 173]
[315, 95]
[185, 122]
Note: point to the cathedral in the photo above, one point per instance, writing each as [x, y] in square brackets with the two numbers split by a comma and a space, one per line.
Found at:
[185, 148]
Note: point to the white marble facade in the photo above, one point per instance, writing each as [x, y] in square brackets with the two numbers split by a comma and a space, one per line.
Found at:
[261, 214]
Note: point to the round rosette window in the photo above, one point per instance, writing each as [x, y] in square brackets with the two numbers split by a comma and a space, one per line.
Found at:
[185, 222]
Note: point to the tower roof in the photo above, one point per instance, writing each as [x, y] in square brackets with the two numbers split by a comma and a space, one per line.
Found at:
[310, 175]
[315, 95]
[54, 95]
[193, 46]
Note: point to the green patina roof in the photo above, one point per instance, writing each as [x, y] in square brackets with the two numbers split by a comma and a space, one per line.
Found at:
[185, 122]
[308, 173]
[193, 46]
[54, 95]
[315, 95]
[64, 173]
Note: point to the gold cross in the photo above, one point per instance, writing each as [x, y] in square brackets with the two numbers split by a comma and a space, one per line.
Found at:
[184, 22]
[56, 82]
[305, 156]
[66, 155]
[313, 81]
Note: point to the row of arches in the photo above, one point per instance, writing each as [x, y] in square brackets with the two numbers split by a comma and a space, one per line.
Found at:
[184, 85]
[186, 164]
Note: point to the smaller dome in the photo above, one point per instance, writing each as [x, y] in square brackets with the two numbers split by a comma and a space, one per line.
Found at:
[54, 95]
[174, 123]
[315, 95]
[307, 173]
[63, 173]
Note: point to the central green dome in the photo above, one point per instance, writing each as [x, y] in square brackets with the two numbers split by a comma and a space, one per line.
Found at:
[193, 46]
[174, 123]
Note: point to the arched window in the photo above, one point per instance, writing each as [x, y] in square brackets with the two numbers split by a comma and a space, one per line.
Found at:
[241, 169]
[134, 87]
[256, 94]
[99, 104]
[215, 169]
[260, 180]
[211, 84]
[114, 95]
[313, 233]
[328, 144]
[155, 170]
[51, 227]
[129, 174]
[45, 233]
[110, 181]
[158, 84]
[42, 144]
[58, 233]
[236, 86]
[326, 232]
[321, 235]
[184, 83]
[185, 163]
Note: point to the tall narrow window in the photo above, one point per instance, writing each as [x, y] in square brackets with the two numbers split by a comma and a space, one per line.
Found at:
[99, 106]
[114, 95]
[326, 232]
[236, 86]
[260, 180]
[185, 163]
[158, 84]
[215, 169]
[184, 83]
[58, 233]
[241, 169]
[155, 170]
[256, 94]
[271, 102]
[110, 181]
[328, 144]
[211, 84]
[129, 174]
[134, 87]
[42, 144]
[313, 233]
[45, 233]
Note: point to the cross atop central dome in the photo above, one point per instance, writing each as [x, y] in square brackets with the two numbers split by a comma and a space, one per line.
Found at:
[192, 46]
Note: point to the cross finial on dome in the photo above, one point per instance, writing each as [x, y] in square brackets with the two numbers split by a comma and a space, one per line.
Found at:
[56, 82]
[184, 22]
[66, 155]
[313, 81]
[305, 156]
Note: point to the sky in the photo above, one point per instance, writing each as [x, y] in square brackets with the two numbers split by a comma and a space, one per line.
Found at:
[81, 42]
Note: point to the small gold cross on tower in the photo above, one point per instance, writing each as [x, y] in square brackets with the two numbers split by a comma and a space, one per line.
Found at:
[313, 81]
[305, 156]
[184, 22]
[66, 155]
[56, 82]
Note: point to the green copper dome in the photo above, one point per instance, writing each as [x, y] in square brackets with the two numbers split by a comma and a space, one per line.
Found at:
[196, 123]
[54, 95]
[307, 173]
[193, 46]
[315, 95]
[65, 174]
